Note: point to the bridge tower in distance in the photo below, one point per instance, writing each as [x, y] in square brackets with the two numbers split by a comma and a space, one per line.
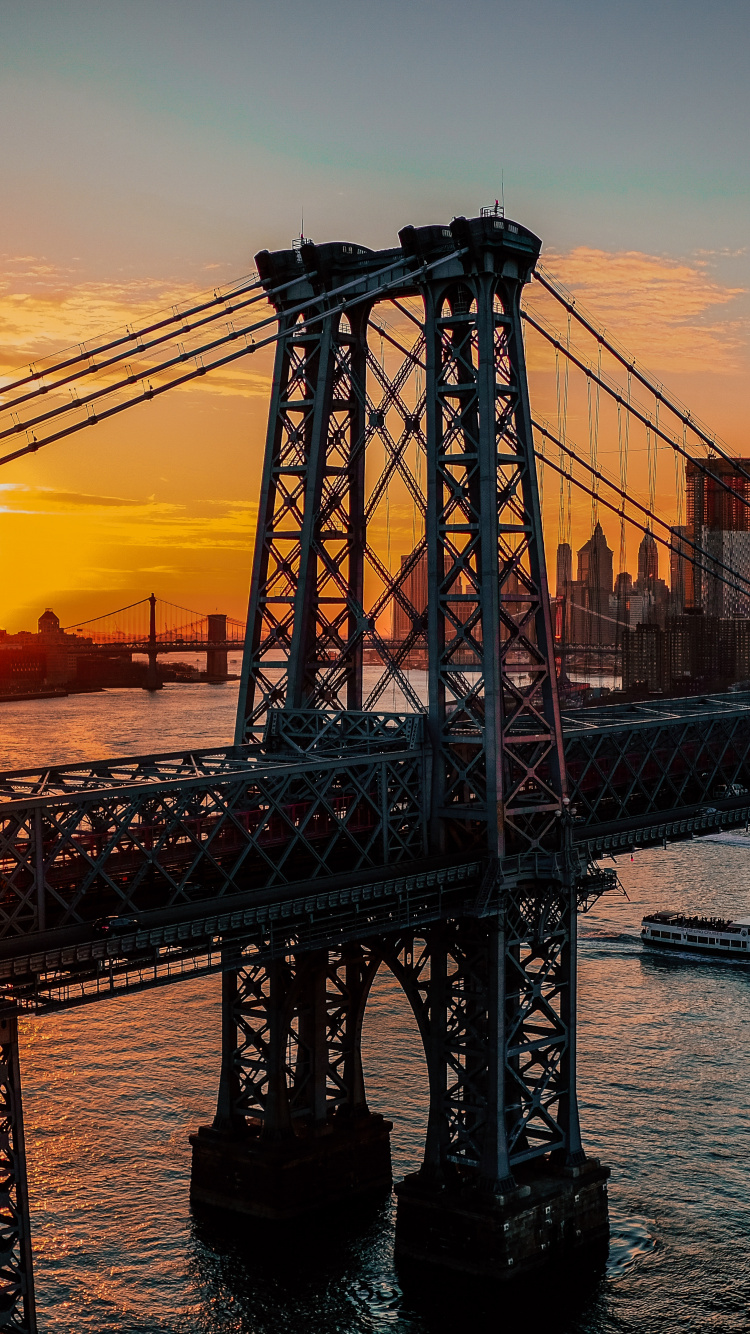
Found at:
[217, 668]
[505, 1186]
[152, 672]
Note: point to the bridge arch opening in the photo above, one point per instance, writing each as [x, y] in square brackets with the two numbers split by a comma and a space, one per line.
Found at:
[395, 1068]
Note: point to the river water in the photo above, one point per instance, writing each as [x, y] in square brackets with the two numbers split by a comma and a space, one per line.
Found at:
[112, 1092]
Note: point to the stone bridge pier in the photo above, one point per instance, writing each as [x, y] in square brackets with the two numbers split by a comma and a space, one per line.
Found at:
[292, 1131]
[504, 1186]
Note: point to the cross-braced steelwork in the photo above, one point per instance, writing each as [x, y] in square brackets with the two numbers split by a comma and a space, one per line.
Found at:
[316, 563]
[292, 1049]
[497, 1023]
[154, 841]
[494, 715]
[16, 1280]
[645, 772]
[494, 1003]
[540, 944]
[454, 411]
[307, 574]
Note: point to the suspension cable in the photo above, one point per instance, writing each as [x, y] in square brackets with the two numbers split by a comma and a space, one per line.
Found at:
[130, 336]
[153, 392]
[384, 334]
[644, 509]
[593, 417]
[408, 313]
[105, 615]
[178, 318]
[106, 390]
[640, 416]
[213, 318]
[683, 414]
[113, 388]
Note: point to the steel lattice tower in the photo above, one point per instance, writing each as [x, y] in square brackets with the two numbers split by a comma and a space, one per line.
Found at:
[494, 988]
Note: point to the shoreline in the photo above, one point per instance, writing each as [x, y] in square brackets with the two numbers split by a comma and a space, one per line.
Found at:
[100, 690]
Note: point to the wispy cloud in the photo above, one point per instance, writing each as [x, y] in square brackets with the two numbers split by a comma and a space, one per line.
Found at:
[724, 252]
[48, 496]
[45, 310]
[128, 522]
[672, 314]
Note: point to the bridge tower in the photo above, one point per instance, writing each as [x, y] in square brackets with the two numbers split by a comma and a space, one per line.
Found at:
[217, 659]
[505, 1185]
[152, 674]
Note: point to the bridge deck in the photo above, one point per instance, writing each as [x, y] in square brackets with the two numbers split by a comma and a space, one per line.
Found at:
[640, 773]
[321, 830]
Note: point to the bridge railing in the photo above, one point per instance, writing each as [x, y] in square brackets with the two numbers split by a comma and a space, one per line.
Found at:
[299, 731]
[672, 767]
[145, 842]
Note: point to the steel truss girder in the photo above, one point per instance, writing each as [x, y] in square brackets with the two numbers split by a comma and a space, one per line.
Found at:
[143, 835]
[298, 920]
[633, 774]
[17, 1308]
[147, 847]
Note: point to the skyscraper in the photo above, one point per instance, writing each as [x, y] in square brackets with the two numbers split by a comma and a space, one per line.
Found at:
[650, 598]
[680, 569]
[648, 561]
[414, 589]
[595, 568]
[414, 586]
[595, 563]
[564, 568]
[564, 592]
[718, 511]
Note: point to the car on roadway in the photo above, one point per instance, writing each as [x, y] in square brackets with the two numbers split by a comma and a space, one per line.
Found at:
[116, 925]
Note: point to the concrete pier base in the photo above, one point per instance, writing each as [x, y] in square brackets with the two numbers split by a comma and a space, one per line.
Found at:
[286, 1178]
[552, 1218]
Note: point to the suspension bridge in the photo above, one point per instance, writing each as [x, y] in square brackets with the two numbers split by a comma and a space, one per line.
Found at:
[155, 624]
[152, 626]
[451, 837]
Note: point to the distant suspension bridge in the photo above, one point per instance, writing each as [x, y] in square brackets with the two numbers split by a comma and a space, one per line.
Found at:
[155, 624]
[152, 626]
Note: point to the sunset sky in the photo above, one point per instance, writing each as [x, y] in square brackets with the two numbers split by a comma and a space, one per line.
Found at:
[150, 149]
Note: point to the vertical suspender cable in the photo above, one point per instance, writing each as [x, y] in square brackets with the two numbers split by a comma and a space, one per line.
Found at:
[561, 505]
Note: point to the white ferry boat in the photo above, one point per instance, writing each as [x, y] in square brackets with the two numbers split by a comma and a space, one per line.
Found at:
[707, 935]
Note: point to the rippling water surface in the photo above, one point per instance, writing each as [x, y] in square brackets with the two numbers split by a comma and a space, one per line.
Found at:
[112, 1091]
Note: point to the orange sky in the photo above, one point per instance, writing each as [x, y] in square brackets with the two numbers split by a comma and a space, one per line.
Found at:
[164, 497]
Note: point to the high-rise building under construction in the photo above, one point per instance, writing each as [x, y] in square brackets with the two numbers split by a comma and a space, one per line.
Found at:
[718, 523]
